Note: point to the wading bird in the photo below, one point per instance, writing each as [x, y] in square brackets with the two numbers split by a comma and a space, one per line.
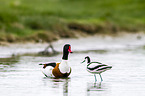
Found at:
[58, 70]
[96, 67]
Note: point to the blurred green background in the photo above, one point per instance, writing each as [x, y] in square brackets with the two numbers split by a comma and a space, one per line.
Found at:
[49, 20]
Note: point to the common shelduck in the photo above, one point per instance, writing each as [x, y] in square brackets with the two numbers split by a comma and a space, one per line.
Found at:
[96, 67]
[58, 70]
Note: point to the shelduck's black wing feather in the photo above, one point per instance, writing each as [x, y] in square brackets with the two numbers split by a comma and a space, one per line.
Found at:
[53, 64]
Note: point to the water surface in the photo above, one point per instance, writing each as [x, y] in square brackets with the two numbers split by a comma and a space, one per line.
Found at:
[21, 76]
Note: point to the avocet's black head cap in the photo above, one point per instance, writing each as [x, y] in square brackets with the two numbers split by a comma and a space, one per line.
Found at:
[66, 51]
[88, 58]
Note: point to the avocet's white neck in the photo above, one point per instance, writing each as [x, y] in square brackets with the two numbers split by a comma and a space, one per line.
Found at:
[64, 66]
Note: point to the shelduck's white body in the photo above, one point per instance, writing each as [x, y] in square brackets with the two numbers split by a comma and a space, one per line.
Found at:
[48, 71]
[64, 66]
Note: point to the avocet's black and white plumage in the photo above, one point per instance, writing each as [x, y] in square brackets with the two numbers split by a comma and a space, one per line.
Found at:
[96, 67]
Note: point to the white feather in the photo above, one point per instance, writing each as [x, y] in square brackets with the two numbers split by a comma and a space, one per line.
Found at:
[64, 66]
[48, 71]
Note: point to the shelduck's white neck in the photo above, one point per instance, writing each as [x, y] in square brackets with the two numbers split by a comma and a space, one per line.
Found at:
[64, 66]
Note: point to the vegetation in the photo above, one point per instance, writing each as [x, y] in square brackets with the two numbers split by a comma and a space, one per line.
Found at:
[49, 20]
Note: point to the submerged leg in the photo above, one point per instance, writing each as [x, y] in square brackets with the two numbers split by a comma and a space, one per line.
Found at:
[101, 77]
[95, 78]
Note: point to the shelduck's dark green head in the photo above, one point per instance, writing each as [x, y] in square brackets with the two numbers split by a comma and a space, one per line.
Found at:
[66, 51]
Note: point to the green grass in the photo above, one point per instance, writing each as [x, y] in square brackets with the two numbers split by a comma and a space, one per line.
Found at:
[26, 18]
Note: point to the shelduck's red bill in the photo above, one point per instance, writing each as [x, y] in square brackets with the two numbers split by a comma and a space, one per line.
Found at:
[69, 50]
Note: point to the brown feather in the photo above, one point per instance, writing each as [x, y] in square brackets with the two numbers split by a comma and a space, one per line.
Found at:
[56, 72]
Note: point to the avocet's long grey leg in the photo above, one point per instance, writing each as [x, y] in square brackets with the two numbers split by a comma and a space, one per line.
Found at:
[95, 78]
[101, 77]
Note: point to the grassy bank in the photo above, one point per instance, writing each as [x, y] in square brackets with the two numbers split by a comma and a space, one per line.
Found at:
[49, 20]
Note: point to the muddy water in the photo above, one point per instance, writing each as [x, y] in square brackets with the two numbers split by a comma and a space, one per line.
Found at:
[21, 76]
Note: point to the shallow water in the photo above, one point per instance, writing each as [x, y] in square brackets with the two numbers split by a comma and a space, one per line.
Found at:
[21, 76]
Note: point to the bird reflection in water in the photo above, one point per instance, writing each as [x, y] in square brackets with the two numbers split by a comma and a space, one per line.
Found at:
[94, 87]
[65, 88]
[64, 82]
